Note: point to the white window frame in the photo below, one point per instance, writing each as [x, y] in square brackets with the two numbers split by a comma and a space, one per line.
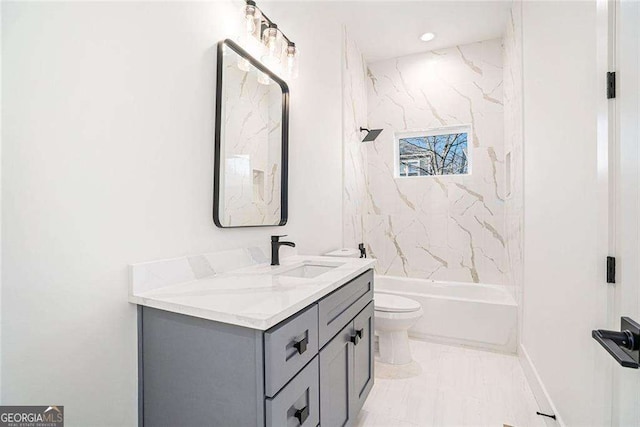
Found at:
[444, 130]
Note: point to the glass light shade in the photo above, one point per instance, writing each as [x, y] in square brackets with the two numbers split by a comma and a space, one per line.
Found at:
[272, 40]
[250, 36]
[291, 54]
[252, 20]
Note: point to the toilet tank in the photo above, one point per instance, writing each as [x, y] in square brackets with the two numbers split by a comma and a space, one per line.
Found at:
[345, 253]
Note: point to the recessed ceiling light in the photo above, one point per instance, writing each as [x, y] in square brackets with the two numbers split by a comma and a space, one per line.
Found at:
[427, 37]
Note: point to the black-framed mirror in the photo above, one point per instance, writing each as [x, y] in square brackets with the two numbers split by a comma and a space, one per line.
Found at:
[251, 142]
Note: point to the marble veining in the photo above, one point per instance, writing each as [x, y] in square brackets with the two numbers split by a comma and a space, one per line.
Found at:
[354, 99]
[237, 287]
[251, 149]
[450, 228]
[513, 129]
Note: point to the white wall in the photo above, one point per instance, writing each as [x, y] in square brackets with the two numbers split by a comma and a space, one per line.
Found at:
[107, 160]
[513, 142]
[561, 254]
[315, 139]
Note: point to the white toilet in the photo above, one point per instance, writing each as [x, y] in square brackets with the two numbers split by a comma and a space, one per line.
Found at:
[394, 315]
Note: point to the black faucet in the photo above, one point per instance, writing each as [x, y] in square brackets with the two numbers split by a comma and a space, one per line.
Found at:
[363, 250]
[275, 248]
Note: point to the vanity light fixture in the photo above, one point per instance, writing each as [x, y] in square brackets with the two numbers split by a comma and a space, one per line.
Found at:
[371, 135]
[278, 52]
[427, 37]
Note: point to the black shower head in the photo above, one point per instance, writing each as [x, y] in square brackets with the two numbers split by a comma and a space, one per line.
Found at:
[371, 135]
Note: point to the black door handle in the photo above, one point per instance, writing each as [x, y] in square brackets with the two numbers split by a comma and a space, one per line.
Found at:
[624, 346]
[301, 345]
[302, 414]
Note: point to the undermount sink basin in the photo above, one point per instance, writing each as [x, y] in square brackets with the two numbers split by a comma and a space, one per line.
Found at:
[308, 271]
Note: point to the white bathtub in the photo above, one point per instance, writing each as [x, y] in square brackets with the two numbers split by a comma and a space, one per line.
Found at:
[469, 314]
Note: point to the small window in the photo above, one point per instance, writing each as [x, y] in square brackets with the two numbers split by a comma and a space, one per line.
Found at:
[433, 152]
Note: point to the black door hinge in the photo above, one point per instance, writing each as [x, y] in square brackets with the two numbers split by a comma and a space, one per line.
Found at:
[611, 85]
[611, 269]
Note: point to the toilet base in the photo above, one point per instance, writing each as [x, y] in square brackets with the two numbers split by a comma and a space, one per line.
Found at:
[394, 347]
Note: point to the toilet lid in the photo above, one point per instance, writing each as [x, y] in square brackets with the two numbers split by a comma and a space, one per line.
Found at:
[345, 253]
[394, 303]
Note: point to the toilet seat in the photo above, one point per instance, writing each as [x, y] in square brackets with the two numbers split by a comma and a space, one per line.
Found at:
[389, 303]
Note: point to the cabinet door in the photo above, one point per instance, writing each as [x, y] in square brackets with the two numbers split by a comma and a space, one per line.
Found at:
[336, 380]
[363, 356]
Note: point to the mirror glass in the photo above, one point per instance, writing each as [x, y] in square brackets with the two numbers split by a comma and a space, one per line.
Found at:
[251, 142]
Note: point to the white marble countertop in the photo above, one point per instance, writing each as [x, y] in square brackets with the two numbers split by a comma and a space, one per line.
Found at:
[252, 296]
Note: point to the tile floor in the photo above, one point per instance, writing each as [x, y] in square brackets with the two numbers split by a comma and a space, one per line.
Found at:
[451, 386]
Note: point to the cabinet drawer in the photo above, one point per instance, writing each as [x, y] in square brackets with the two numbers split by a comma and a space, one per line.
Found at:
[297, 404]
[340, 307]
[288, 347]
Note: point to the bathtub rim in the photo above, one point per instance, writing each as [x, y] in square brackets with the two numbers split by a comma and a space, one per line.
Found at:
[503, 289]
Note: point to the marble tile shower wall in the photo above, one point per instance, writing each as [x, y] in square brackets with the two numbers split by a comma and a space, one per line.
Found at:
[448, 228]
[514, 205]
[354, 108]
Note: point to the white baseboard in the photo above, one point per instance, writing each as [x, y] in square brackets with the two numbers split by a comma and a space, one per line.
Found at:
[539, 390]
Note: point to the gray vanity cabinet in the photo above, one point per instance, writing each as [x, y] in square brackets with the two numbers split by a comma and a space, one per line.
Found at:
[314, 368]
